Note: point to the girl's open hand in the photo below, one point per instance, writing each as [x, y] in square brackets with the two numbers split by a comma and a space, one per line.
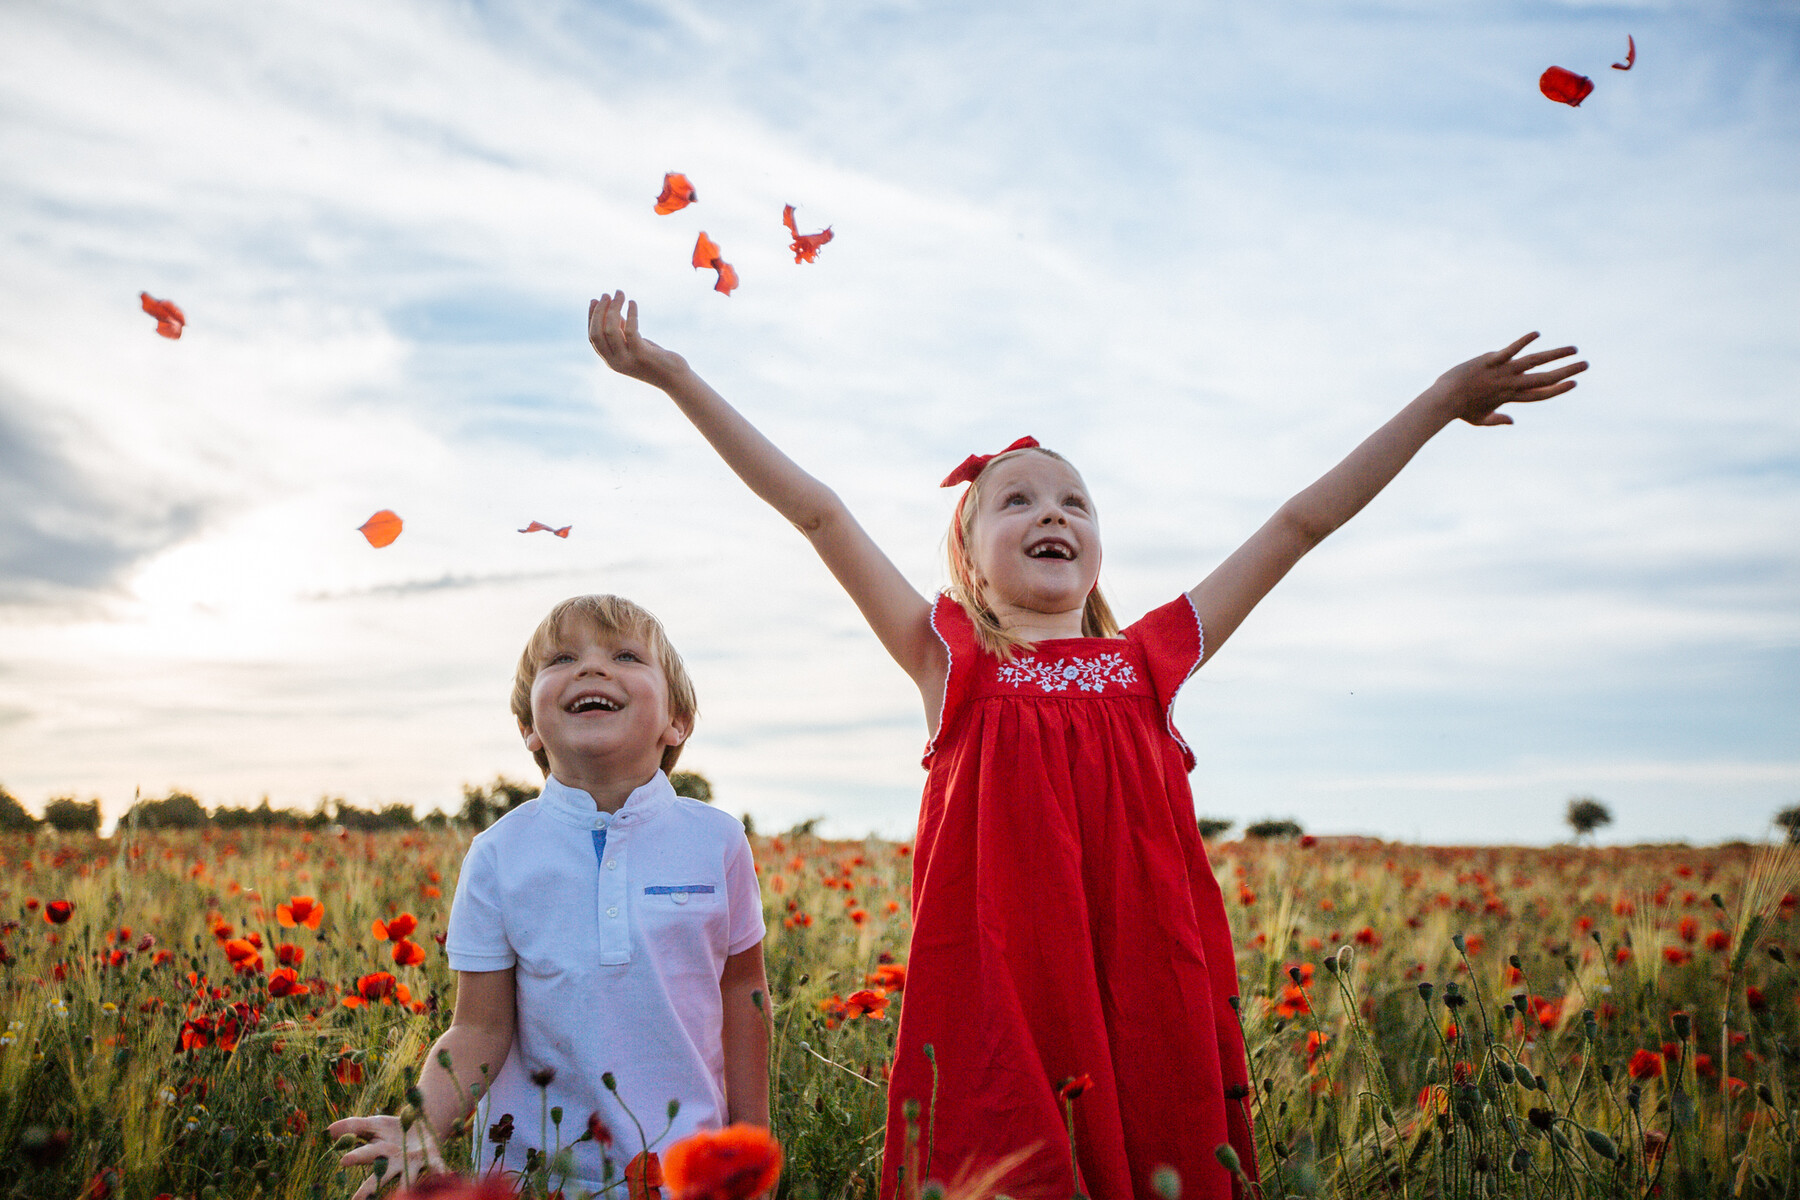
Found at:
[613, 332]
[1475, 390]
[381, 1138]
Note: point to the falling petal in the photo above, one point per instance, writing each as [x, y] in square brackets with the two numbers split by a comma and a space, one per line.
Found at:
[381, 529]
[805, 245]
[677, 194]
[1630, 55]
[1565, 87]
[169, 318]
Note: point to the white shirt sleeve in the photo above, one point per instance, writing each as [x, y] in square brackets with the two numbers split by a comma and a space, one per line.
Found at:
[744, 895]
[477, 937]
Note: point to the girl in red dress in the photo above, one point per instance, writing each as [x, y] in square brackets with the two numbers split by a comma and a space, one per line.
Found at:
[1068, 935]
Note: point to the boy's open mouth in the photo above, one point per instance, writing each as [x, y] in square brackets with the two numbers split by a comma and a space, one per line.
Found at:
[1051, 548]
[593, 703]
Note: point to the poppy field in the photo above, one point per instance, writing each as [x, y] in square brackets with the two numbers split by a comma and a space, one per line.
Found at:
[184, 1012]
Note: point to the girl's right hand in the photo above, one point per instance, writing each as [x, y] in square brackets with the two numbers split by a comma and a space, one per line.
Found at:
[613, 333]
[381, 1138]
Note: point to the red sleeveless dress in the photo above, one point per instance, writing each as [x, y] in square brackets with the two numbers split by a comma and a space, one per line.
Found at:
[1066, 922]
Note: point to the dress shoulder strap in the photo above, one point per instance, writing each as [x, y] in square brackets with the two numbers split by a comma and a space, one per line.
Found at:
[957, 633]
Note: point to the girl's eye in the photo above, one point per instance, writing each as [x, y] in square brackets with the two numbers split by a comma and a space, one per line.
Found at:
[1076, 502]
[1016, 498]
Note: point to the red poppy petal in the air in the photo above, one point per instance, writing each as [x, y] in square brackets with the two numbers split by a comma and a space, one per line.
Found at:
[706, 251]
[1565, 87]
[677, 193]
[1630, 55]
[805, 245]
[169, 318]
[382, 528]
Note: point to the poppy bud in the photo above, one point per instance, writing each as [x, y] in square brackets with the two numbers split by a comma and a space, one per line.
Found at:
[556, 1115]
[1776, 953]
[1522, 1002]
[1606, 1071]
[543, 1077]
[1166, 1182]
[1683, 1023]
[1228, 1158]
[1718, 901]
[1765, 1095]
[612, 1085]
[1331, 963]
[1521, 1159]
[1512, 960]
[1634, 1096]
[1502, 1070]
[1233, 1001]
[1542, 1118]
[1238, 1091]
[1425, 990]
[1294, 974]
[1456, 939]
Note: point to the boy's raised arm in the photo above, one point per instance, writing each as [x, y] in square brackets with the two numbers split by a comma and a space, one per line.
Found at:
[1472, 391]
[899, 615]
[480, 1033]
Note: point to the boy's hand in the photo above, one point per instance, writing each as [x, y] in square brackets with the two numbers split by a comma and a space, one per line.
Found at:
[613, 332]
[381, 1138]
[1474, 390]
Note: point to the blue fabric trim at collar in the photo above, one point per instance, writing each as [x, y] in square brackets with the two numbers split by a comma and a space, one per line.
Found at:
[571, 806]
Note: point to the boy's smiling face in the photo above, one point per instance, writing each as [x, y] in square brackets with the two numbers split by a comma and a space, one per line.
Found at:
[600, 707]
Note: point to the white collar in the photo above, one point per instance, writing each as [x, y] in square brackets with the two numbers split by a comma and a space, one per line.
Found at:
[573, 806]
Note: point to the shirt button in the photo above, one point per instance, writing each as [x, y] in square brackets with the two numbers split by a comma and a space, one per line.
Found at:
[612, 864]
[613, 911]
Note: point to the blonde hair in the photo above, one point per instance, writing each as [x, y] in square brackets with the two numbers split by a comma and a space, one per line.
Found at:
[1097, 619]
[611, 616]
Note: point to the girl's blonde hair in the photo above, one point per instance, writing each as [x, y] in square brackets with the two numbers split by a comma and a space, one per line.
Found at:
[1097, 619]
[610, 616]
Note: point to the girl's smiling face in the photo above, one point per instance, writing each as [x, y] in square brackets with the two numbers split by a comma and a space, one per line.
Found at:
[1033, 538]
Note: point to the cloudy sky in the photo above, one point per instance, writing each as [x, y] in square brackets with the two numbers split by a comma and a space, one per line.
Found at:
[1200, 248]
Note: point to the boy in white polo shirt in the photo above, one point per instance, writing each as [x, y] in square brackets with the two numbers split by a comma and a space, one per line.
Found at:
[607, 928]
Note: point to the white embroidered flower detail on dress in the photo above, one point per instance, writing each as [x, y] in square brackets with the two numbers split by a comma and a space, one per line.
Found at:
[1086, 674]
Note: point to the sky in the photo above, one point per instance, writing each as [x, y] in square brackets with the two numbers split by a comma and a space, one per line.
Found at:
[1200, 249]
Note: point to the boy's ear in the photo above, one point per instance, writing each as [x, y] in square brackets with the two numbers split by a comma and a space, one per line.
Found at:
[678, 730]
[533, 742]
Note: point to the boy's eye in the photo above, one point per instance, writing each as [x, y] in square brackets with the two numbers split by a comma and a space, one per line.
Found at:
[629, 656]
[562, 656]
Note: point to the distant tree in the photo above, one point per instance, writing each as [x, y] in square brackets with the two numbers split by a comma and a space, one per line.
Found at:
[263, 816]
[749, 826]
[482, 806]
[693, 785]
[66, 814]
[1212, 828]
[1586, 814]
[1789, 819]
[363, 820]
[13, 817]
[177, 810]
[1273, 829]
[806, 828]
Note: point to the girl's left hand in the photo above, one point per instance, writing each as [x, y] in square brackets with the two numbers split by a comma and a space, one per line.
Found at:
[1475, 390]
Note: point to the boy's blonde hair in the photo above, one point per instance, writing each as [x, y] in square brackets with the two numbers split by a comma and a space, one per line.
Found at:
[1097, 619]
[612, 616]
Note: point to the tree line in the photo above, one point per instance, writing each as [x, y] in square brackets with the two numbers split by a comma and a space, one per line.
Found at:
[482, 805]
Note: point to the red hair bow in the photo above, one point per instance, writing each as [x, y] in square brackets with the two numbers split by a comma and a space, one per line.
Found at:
[975, 464]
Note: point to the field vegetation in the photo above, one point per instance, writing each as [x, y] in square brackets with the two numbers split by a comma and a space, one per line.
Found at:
[186, 1006]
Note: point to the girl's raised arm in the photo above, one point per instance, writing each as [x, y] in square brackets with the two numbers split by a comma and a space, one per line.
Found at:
[894, 609]
[1472, 392]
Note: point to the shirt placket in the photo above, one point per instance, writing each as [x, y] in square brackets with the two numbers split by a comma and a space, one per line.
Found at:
[611, 846]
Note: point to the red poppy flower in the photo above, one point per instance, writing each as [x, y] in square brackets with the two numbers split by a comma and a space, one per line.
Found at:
[286, 982]
[1689, 929]
[1753, 996]
[1073, 1087]
[889, 977]
[643, 1176]
[244, 957]
[1565, 87]
[1645, 1064]
[289, 955]
[865, 1004]
[197, 1033]
[408, 953]
[349, 1072]
[1718, 941]
[598, 1131]
[300, 910]
[58, 912]
[1677, 955]
[396, 930]
[733, 1163]
[377, 986]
